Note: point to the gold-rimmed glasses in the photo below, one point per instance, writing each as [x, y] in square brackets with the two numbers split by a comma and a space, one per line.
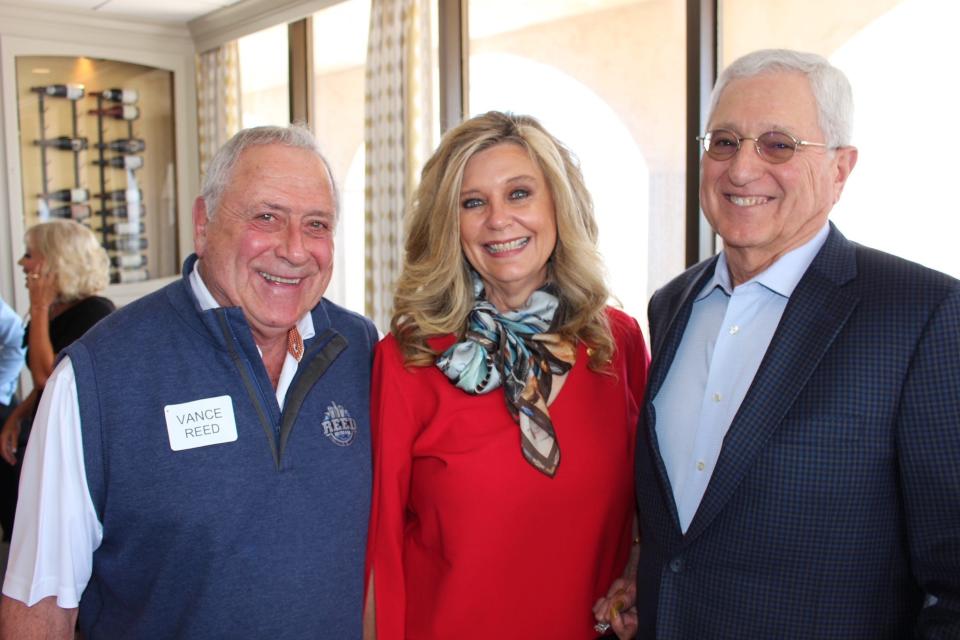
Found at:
[776, 147]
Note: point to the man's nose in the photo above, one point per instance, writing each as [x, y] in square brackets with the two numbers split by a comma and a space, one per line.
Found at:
[746, 164]
[293, 246]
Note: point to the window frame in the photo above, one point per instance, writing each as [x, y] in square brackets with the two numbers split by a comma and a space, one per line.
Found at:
[701, 71]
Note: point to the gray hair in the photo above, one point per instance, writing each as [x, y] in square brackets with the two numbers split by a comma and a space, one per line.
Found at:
[830, 87]
[220, 169]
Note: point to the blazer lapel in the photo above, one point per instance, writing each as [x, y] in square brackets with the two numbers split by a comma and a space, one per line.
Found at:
[815, 314]
[665, 340]
[667, 335]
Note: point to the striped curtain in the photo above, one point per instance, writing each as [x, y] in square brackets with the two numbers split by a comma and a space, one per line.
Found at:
[398, 137]
[218, 99]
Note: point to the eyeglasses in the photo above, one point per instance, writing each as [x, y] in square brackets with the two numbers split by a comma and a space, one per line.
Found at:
[776, 147]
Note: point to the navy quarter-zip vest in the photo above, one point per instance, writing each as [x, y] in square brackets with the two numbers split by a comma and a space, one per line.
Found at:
[262, 537]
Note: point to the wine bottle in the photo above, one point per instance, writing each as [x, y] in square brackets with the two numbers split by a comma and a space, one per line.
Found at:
[74, 211]
[129, 244]
[122, 195]
[120, 112]
[129, 260]
[136, 275]
[126, 96]
[69, 195]
[63, 142]
[68, 91]
[125, 145]
[124, 213]
[122, 162]
[124, 228]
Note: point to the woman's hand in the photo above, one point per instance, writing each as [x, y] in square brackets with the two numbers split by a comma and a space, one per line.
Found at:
[42, 287]
[8, 439]
[618, 608]
[10, 434]
[618, 611]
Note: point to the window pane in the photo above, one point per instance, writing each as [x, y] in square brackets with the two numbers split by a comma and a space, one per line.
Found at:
[897, 54]
[339, 59]
[607, 78]
[264, 77]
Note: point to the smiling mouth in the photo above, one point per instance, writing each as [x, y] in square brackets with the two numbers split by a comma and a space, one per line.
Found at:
[748, 201]
[500, 247]
[269, 277]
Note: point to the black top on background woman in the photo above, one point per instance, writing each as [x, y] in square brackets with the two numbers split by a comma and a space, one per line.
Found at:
[65, 268]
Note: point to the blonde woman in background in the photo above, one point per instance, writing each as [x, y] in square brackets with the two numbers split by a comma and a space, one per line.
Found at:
[65, 269]
[504, 402]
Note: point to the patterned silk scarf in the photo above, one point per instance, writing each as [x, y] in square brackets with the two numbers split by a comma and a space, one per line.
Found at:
[515, 350]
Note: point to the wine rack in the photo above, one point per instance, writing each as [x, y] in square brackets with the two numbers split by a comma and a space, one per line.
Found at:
[118, 219]
[64, 201]
[121, 211]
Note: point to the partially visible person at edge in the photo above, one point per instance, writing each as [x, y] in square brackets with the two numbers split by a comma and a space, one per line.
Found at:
[505, 401]
[11, 361]
[203, 453]
[797, 463]
[65, 269]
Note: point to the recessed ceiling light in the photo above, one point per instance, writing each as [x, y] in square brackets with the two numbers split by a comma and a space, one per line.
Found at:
[40, 71]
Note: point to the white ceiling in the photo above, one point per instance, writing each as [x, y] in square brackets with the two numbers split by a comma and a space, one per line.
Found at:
[159, 11]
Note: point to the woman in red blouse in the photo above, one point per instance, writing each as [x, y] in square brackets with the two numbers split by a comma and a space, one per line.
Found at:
[505, 402]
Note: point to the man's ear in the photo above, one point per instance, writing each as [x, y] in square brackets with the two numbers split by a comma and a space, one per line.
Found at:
[846, 158]
[200, 222]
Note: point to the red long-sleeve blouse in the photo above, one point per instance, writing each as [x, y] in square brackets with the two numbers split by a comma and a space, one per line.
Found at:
[467, 540]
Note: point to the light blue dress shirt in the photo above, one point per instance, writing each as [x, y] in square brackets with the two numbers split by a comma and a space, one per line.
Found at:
[725, 339]
[11, 351]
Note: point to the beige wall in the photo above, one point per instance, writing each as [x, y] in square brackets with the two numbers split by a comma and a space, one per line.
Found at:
[613, 68]
[793, 24]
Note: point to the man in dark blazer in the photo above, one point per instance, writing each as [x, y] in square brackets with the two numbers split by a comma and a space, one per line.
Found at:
[798, 461]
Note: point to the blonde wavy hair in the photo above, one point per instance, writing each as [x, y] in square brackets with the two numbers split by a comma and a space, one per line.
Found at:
[72, 253]
[434, 293]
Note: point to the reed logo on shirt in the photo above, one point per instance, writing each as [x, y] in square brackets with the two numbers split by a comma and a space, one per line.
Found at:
[338, 425]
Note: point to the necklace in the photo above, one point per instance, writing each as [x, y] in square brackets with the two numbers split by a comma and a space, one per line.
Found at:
[294, 343]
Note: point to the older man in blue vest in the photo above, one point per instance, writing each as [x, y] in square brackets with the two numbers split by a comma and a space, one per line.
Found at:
[199, 465]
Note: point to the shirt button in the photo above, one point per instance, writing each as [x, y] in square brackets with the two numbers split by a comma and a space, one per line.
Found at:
[734, 330]
[717, 397]
[676, 565]
[700, 465]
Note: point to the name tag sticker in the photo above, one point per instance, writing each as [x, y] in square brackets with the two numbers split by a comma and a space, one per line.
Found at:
[200, 423]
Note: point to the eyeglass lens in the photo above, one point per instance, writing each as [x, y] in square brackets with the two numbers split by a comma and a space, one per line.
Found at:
[774, 146]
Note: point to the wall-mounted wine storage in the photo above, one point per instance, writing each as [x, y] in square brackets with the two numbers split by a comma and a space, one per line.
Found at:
[97, 147]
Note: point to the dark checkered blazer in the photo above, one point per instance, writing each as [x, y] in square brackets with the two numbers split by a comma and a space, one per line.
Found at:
[834, 508]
